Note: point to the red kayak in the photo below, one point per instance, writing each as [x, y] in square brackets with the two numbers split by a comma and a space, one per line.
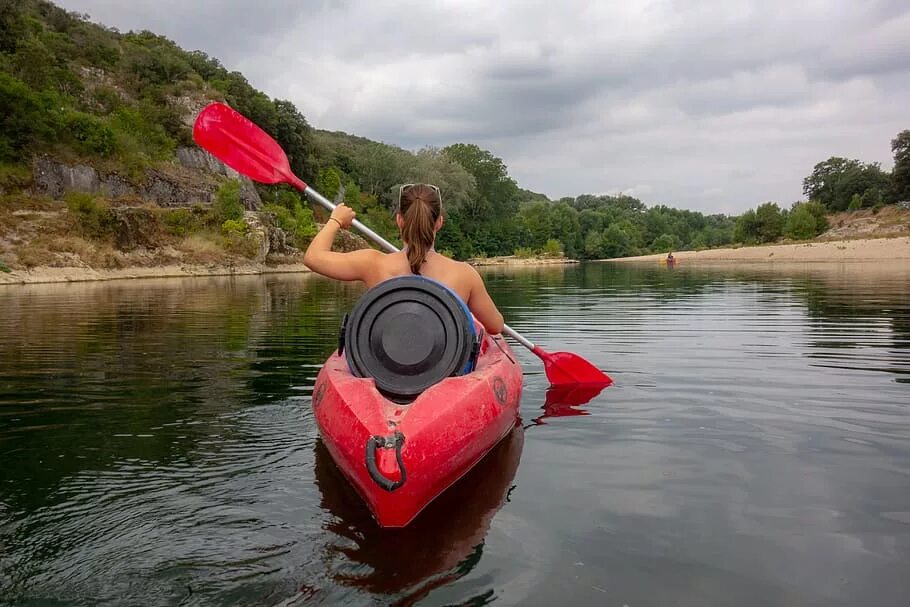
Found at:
[400, 457]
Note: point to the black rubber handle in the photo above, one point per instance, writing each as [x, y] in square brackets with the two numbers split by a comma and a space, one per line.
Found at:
[385, 442]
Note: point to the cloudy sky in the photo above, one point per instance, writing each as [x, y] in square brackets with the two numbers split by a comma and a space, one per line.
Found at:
[715, 106]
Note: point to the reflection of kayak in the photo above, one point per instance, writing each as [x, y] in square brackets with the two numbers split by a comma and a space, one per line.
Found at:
[400, 457]
[442, 543]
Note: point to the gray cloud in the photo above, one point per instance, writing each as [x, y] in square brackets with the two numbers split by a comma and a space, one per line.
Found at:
[715, 106]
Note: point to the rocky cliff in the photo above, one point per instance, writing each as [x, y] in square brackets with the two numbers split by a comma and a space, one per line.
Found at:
[193, 179]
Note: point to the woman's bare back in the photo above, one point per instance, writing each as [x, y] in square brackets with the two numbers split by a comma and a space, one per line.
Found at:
[458, 276]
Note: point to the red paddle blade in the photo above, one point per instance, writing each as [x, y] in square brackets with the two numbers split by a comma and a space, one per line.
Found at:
[233, 139]
[565, 368]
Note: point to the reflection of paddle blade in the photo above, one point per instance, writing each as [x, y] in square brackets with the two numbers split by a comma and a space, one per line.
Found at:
[562, 400]
[571, 396]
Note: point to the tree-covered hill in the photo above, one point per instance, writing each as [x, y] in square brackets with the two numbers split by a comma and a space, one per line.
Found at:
[112, 112]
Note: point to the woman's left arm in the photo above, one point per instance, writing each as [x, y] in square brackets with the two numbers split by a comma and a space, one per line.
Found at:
[320, 257]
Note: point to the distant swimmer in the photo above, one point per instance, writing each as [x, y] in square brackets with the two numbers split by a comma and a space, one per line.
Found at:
[670, 259]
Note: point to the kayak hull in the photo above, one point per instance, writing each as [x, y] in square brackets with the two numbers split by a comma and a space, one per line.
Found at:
[399, 457]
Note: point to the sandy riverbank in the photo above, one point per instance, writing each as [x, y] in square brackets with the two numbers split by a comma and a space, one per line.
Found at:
[839, 251]
[56, 275]
[511, 260]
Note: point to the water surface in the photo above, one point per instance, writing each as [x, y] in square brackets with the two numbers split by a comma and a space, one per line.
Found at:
[158, 447]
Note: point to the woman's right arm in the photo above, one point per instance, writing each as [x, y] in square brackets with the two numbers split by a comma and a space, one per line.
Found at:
[481, 305]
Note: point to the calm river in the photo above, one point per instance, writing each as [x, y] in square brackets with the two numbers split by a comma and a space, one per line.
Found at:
[157, 447]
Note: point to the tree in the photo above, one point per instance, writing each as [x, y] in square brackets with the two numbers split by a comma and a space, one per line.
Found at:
[835, 181]
[496, 193]
[328, 182]
[800, 223]
[665, 243]
[819, 213]
[746, 228]
[900, 176]
[769, 222]
[616, 241]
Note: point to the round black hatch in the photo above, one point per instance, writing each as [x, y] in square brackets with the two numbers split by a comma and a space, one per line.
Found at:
[409, 333]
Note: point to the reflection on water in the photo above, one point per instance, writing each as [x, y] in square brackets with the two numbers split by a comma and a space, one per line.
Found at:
[158, 446]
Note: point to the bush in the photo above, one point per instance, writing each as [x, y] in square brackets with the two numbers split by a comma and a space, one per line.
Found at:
[820, 213]
[90, 135]
[138, 136]
[552, 248]
[182, 222]
[227, 202]
[15, 176]
[523, 253]
[93, 217]
[856, 203]
[4, 268]
[800, 223]
[234, 227]
[296, 222]
[27, 117]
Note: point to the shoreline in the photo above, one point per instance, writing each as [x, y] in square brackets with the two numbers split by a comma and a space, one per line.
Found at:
[56, 275]
[833, 251]
[50, 275]
[511, 260]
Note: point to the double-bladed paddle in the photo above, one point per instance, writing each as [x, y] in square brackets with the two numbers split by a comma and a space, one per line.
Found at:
[240, 144]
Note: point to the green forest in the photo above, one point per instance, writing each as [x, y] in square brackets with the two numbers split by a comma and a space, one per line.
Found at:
[121, 102]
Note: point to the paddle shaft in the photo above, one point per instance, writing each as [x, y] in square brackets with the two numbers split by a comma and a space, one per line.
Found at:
[315, 196]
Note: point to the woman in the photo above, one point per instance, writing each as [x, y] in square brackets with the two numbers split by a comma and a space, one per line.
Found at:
[419, 217]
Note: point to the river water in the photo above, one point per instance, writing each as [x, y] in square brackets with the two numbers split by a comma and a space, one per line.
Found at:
[157, 447]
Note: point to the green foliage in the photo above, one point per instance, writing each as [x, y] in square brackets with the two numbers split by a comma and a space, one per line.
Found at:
[524, 252]
[800, 223]
[4, 268]
[552, 248]
[138, 136]
[297, 221]
[665, 242]
[28, 117]
[746, 229]
[182, 222]
[496, 193]
[856, 203]
[764, 224]
[900, 175]
[328, 182]
[90, 134]
[227, 202]
[237, 239]
[93, 217]
[234, 227]
[836, 181]
[14, 176]
[770, 222]
[617, 240]
[819, 213]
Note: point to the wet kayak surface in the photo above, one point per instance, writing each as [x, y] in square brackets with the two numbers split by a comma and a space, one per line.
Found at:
[158, 447]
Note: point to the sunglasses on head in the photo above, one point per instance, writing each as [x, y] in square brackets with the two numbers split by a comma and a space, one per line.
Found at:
[411, 185]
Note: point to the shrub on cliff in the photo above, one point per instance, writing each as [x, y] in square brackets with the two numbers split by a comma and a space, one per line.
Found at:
[227, 202]
[92, 216]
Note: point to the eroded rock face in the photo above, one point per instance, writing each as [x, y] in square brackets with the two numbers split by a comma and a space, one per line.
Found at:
[259, 232]
[53, 178]
[135, 227]
[198, 185]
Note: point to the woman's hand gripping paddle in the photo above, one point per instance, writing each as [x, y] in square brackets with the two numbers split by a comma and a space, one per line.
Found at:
[237, 142]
